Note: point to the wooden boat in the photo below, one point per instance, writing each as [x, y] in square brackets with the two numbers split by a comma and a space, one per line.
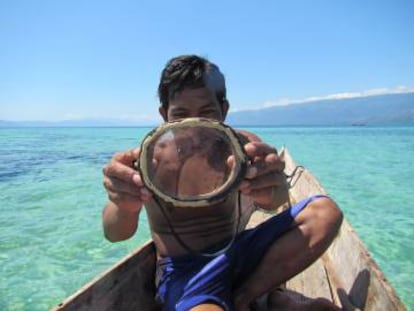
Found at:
[346, 274]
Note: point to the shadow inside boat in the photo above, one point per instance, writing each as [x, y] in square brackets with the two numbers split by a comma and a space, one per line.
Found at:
[357, 297]
[355, 300]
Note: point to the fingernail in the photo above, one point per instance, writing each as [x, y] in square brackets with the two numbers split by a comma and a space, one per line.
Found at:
[249, 147]
[137, 179]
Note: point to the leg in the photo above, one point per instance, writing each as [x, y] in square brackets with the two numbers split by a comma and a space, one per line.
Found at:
[207, 307]
[194, 283]
[312, 231]
[209, 289]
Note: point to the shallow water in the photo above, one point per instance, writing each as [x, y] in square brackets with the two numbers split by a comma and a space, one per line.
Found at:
[51, 198]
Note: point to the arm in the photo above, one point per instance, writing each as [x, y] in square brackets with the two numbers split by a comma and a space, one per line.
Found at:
[265, 181]
[118, 224]
[126, 195]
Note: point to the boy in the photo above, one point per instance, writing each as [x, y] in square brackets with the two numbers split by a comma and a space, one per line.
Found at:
[260, 259]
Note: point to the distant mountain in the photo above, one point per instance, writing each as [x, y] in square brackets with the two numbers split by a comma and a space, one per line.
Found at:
[72, 123]
[369, 110]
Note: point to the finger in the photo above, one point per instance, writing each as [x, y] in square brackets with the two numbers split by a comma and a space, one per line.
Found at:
[231, 162]
[258, 149]
[267, 194]
[272, 179]
[118, 197]
[276, 161]
[263, 196]
[271, 163]
[127, 157]
[123, 172]
[136, 152]
[117, 185]
[121, 197]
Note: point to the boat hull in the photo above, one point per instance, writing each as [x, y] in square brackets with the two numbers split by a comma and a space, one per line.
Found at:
[346, 274]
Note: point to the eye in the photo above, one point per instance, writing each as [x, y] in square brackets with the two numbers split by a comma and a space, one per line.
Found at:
[208, 111]
[178, 114]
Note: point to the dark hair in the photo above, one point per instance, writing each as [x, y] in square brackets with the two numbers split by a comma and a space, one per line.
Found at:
[190, 71]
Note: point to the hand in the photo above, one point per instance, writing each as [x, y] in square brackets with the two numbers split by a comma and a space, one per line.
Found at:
[123, 183]
[264, 181]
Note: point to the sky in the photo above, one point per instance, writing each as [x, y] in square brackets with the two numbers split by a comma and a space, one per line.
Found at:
[68, 60]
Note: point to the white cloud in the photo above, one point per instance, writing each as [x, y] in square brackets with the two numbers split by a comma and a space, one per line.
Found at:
[279, 102]
[373, 92]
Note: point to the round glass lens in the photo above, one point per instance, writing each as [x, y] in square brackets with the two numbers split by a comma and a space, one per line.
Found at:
[187, 163]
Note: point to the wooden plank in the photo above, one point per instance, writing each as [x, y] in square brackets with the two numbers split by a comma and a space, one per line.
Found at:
[355, 277]
[258, 217]
[311, 283]
[355, 280]
[127, 286]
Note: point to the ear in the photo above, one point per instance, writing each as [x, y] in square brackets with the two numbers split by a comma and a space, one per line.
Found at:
[225, 108]
[163, 113]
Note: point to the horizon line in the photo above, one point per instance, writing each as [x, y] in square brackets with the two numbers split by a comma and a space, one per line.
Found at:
[151, 120]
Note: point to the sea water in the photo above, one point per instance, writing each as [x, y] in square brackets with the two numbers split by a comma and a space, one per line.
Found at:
[51, 196]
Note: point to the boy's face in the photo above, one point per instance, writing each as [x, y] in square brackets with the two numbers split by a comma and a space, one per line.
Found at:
[191, 103]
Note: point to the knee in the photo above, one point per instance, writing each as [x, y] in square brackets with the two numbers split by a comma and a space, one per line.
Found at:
[322, 216]
[327, 214]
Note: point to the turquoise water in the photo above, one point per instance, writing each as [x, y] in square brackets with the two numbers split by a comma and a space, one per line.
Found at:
[51, 197]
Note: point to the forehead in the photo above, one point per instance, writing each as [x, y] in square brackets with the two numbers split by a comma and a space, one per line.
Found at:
[194, 98]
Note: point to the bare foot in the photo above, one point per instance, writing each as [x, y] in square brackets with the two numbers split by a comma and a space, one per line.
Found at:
[280, 301]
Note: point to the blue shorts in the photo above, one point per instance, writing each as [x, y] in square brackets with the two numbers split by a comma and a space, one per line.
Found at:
[190, 280]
